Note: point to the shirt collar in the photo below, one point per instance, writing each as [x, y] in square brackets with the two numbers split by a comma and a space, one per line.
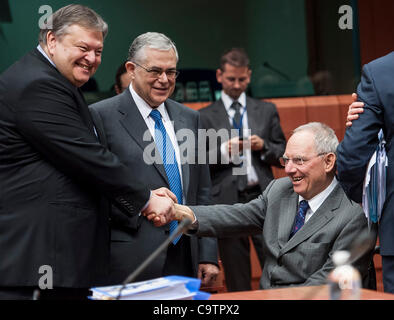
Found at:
[144, 108]
[39, 48]
[318, 199]
[228, 101]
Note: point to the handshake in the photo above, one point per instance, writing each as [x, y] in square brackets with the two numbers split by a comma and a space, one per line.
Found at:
[163, 207]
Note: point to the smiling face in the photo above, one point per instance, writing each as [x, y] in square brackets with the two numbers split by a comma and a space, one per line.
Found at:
[77, 54]
[154, 90]
[316, 173]
[234, 80]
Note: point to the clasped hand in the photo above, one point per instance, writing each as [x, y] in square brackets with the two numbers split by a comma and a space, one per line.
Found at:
[163, 207]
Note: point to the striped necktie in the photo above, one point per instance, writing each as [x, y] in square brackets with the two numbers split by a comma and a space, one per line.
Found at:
[170, 164]
[300, 217]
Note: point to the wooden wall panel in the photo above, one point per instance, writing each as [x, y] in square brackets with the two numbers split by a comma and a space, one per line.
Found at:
[376, 28]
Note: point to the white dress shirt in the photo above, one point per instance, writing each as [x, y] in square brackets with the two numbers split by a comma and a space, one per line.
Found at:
[145, 111]
[45, 55]
[228, 101]
[318, 199]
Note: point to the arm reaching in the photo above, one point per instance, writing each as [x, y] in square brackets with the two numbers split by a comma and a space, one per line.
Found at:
[354, 109]
[182, 212]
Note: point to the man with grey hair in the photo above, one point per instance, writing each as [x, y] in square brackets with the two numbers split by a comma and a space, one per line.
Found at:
[304, 218]
[53, 170]
[122, 122]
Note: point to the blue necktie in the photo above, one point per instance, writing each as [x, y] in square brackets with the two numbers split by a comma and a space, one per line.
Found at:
[242, 179]
[170, 164]
[300, 217]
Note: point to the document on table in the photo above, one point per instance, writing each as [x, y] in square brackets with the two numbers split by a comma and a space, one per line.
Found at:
[164, 288]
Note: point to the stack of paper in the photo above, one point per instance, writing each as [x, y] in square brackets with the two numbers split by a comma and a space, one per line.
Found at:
[165, 288]
[374, 188]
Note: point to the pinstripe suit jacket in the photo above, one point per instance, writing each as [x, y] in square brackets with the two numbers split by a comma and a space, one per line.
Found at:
[305, 259]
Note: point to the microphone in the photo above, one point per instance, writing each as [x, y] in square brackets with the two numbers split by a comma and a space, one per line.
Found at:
[183, 226]
[268, 66]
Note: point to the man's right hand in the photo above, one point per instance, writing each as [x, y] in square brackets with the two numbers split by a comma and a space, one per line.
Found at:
[234, 146]
[160, 209]
[183, 212]
[354, 109]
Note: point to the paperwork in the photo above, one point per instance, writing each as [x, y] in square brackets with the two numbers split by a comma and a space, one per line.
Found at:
[164, 288]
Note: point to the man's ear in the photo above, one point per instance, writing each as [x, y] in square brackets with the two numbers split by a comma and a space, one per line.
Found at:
[219, 74]
[130, 67]
[329, 161]
[51, 42]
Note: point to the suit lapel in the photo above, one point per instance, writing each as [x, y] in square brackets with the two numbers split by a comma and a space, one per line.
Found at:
[220, 116]
[179, 123]
[81, 102]
[319, 219]
[252, 110]
[84, 110]
[288, 206]
[134, 124]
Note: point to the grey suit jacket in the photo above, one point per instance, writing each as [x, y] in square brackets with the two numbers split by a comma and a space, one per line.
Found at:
[121, 128]
[263, 120]
[305, 259]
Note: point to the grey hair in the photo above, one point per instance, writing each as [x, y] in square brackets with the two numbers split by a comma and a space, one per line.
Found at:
[153, 40]
[73, 14]
[326, 140]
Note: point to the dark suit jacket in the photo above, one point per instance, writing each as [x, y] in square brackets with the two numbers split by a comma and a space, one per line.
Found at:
[263, 120]
[121, 127]
[376, 90]
[52, 173]
[305, 259]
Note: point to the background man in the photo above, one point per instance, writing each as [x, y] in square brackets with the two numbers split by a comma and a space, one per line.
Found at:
[122, 79]
[360, 141]
[121, 122]
[53, 170]
[303, 218]
[237, 111]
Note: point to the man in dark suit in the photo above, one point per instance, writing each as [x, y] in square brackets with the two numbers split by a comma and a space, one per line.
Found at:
[266, 144]
[303, 218]
[354, 152]
[53, 170]
[126, 124]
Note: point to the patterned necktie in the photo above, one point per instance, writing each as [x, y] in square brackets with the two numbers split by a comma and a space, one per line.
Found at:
[242, 179]
[170, 164]
[300, 217]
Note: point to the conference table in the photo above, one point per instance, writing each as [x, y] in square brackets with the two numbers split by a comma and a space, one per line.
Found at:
[295, 293]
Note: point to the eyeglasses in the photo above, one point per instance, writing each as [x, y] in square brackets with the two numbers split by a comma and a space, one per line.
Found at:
[156, 72]
[299, 161]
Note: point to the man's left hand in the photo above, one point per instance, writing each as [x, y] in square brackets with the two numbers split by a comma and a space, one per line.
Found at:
[256, 143]
[208, 274]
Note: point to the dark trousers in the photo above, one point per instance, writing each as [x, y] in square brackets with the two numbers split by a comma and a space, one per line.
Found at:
[235, 252]
[388, 273]
[179, 260]
[33, 293]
